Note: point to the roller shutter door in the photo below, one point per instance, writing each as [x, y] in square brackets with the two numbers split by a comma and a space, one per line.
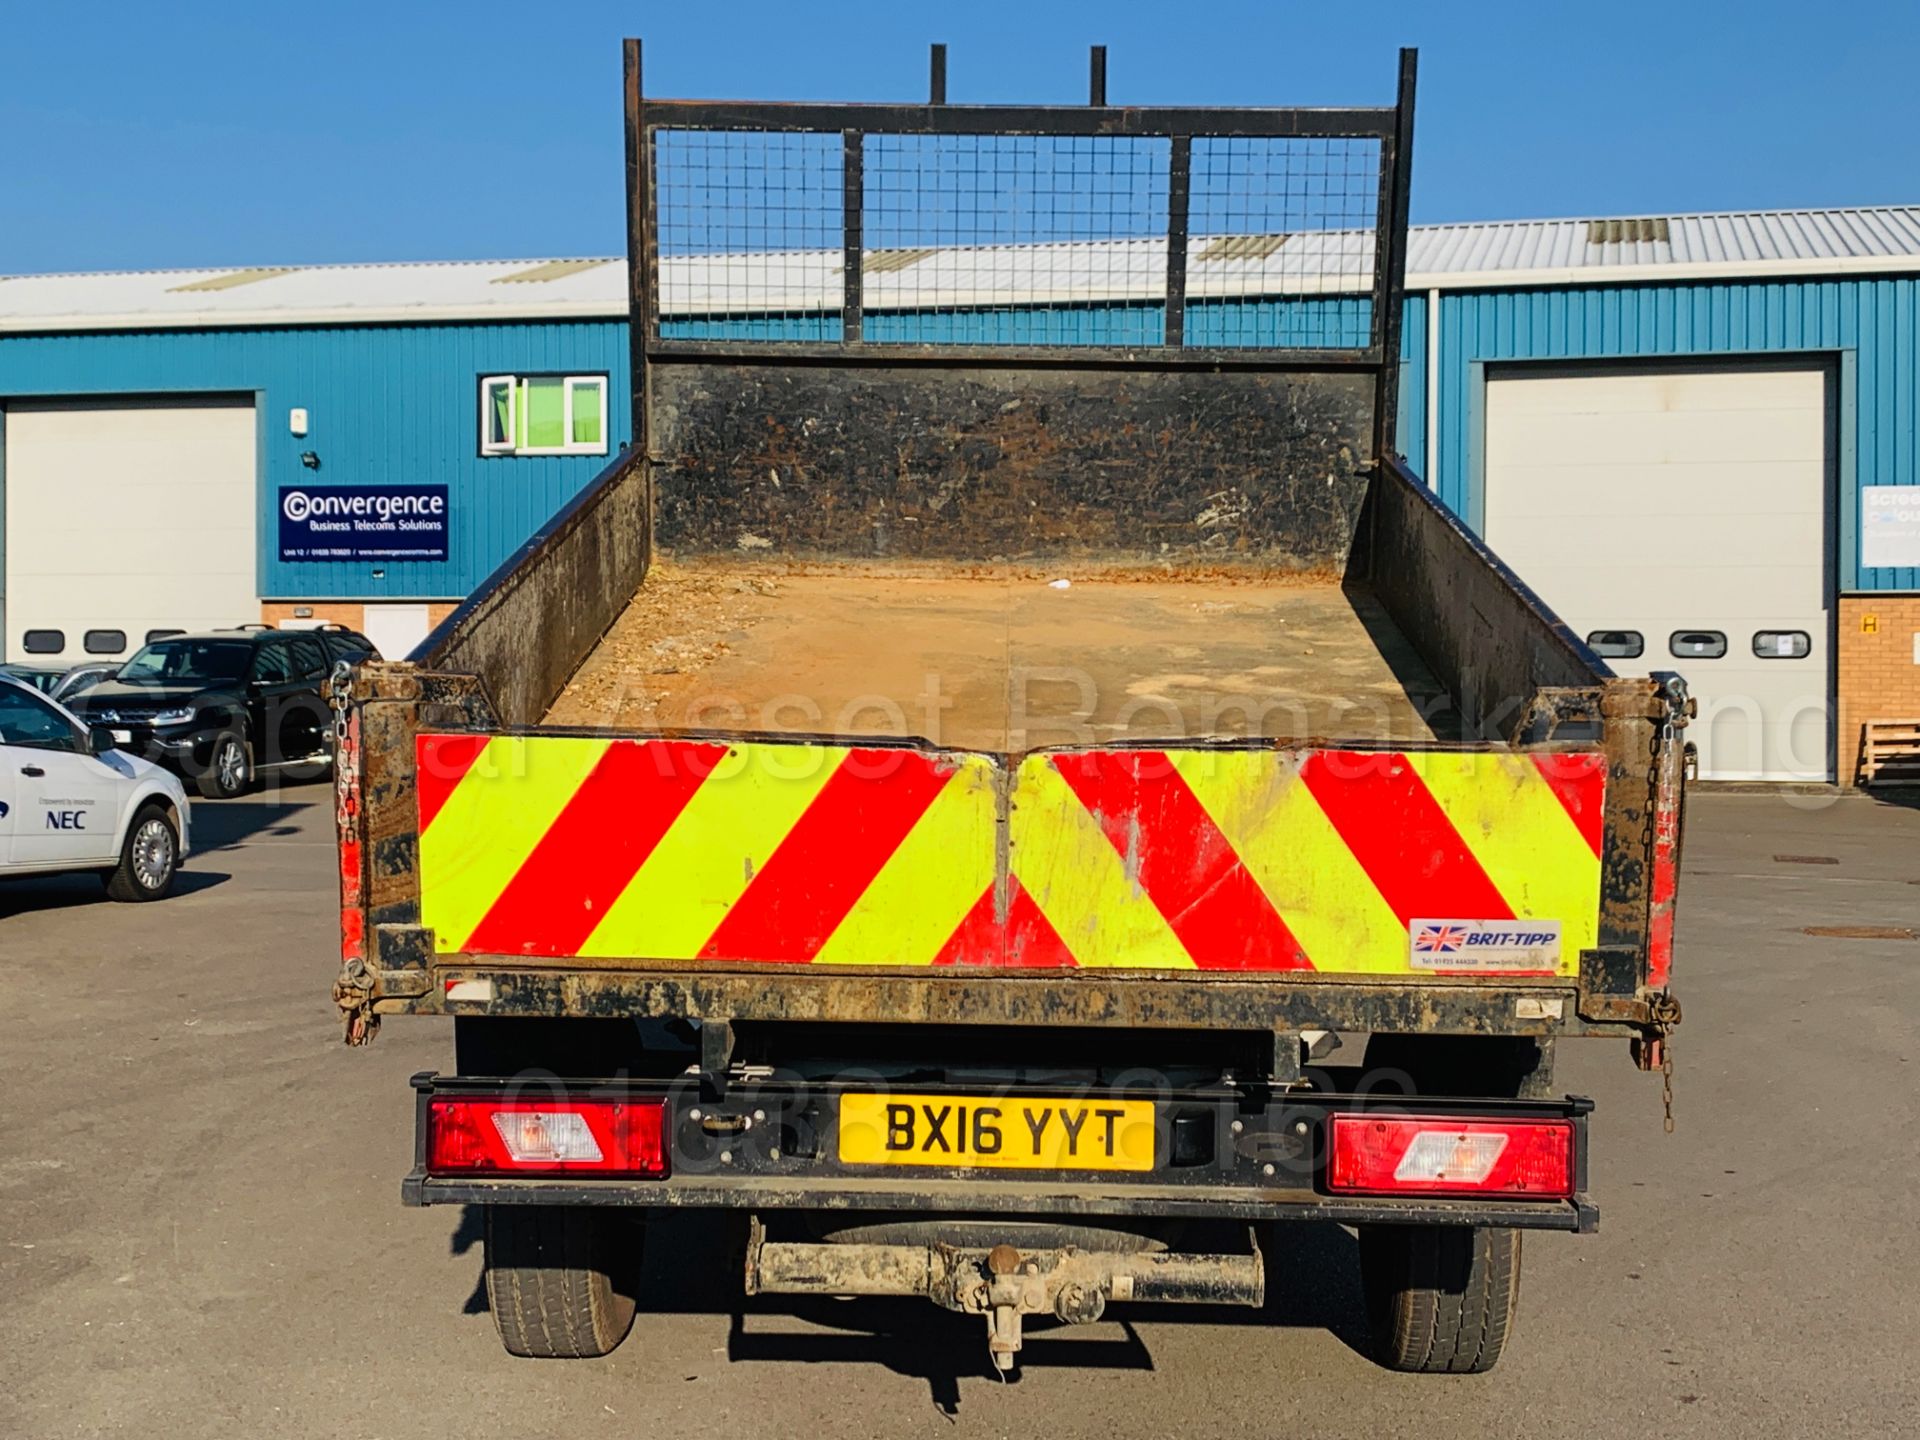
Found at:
[124, 517]
[1685, 510]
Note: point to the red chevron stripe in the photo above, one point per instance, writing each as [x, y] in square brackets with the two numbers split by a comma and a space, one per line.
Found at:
[1388, 818]
[609, 827]
[827, 860]
[1027, 941]
[1580, 781]
[1182, 861]
[439, 763]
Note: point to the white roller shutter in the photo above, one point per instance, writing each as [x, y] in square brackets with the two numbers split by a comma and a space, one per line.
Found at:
[1690, 502]
[127, 516]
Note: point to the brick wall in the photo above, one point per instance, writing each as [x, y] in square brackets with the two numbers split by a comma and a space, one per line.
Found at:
[350, 613]
[1878, 679]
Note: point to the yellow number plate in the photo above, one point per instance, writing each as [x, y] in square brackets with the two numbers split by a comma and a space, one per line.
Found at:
[969, 1131]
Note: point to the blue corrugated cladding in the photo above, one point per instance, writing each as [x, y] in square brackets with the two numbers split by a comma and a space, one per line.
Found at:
[1411, 424]
[386, 403]
[1867, 326]
[399, 402]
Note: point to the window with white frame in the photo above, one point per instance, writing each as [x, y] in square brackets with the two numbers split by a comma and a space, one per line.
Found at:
[543, 415]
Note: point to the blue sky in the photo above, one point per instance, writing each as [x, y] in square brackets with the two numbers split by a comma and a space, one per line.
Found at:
[187, 134]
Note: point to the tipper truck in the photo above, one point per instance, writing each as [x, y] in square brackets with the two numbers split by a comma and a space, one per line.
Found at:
[1007, 783]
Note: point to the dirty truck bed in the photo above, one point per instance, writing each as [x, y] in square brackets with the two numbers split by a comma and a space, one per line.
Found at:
[1004, 659]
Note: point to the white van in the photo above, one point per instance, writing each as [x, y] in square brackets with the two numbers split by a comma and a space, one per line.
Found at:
[70, 801]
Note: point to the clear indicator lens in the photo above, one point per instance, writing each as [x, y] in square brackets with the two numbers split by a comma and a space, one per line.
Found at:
[1448, 1155]
[545, 1136]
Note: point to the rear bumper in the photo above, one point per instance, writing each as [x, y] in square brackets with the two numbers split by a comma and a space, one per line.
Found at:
[1227, 1154]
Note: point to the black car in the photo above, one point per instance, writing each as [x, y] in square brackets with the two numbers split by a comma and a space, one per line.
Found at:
[220, 708]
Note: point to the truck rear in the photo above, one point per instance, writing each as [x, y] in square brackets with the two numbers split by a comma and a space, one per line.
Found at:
[1007, 783]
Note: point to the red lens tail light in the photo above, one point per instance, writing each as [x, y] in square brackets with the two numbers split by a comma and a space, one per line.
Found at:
[473, 1135]
[1437, 1155]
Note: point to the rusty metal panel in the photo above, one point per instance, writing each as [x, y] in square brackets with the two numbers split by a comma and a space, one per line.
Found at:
[1488, 638]
[1245, 468]
[537, 617]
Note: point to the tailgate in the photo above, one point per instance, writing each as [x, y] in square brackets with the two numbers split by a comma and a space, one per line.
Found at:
[1424, 862]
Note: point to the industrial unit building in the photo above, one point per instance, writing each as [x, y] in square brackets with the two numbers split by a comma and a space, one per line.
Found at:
[1694, 435]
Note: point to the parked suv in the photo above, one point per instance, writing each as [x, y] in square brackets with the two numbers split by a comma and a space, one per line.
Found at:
[222, 707]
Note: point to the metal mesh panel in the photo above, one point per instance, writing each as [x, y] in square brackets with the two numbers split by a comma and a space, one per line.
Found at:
[749, 227]
[1014, 239]
[1281, 242]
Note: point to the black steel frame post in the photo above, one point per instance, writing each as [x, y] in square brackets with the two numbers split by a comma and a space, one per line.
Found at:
[641, 263]
[1390, 260]
[1179, 193]
[853, 192]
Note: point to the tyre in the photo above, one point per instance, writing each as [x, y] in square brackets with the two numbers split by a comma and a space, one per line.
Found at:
[229, 770]
[1440, 1298]
[561, 1280]
[149, 857]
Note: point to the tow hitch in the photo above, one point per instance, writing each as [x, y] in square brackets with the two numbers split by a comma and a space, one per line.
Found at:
[1005, 1284]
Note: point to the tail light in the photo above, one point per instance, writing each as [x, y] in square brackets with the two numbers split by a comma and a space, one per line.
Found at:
[1434, 1155]
[474, 1135]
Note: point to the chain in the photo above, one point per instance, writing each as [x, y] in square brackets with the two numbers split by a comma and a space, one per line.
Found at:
[339, 697]
[1665, 1015]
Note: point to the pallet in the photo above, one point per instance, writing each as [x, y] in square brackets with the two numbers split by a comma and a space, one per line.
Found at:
[1890, 753]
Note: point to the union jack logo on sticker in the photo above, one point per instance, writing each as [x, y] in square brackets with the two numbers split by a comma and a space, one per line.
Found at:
[1478, 947]
[1439, 939]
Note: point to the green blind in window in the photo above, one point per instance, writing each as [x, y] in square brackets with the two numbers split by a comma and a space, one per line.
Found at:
[586, 413]
[546, 414]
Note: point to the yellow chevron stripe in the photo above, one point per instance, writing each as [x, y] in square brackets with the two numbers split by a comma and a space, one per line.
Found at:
[1523, 838]
[704, 863]
[929, 884]
[1293, 852]
[1066, 863]
[503, 806]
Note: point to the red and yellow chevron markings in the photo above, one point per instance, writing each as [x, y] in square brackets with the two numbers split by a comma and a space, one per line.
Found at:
[1179, 859]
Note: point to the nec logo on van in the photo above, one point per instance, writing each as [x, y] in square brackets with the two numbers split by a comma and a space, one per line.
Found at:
[66, 819]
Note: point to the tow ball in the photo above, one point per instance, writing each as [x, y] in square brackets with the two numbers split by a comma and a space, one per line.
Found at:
[1013, 1286]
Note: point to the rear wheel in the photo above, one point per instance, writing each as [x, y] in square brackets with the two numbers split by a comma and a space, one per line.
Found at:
[149, 857]
[1440, 1298]
[229, 768]
[561, 1279]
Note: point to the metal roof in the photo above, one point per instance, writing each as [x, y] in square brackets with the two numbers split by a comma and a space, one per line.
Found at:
[1462, 256]
[314, 294]
[1665, 247]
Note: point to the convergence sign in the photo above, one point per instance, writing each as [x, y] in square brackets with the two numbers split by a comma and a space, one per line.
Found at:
[363, 522]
